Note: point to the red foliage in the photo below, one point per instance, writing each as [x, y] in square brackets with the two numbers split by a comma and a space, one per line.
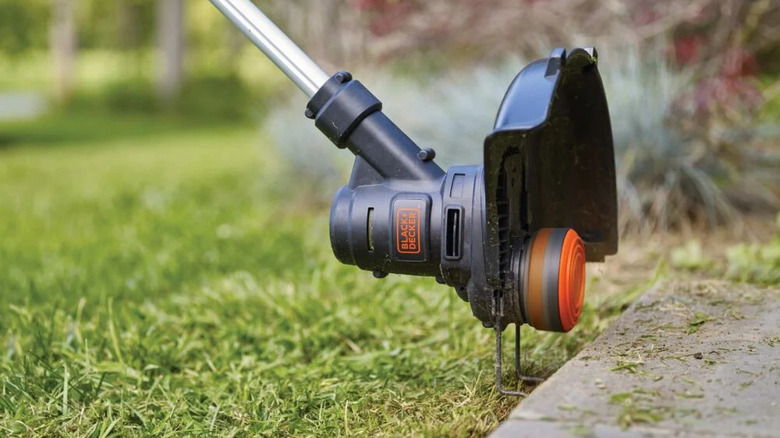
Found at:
[725, 93]
[739, 63]
[733, 90]
[644, 16]
[386, 15]
[687, 49]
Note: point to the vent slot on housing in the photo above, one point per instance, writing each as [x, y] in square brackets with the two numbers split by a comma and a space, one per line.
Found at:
[370, 229]
[452, 230]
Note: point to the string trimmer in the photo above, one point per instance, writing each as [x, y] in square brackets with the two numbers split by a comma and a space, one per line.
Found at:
[511, 235]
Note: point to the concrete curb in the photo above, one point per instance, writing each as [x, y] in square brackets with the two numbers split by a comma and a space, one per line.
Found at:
[687, 359]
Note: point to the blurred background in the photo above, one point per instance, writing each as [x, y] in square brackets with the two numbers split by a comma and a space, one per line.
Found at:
[692, 87]
[164, 204]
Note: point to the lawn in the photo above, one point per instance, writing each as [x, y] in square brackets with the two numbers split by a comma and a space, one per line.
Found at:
[166, 279]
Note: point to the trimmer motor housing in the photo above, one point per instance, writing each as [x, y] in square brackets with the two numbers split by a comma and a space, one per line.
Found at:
[511, 235]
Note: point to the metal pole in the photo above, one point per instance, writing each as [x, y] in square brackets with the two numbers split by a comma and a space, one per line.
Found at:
[279, 48]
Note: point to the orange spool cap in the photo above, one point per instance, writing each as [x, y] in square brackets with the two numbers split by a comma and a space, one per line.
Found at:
[553, 283]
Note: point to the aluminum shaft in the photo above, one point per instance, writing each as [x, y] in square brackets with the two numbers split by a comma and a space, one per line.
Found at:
[279, 48]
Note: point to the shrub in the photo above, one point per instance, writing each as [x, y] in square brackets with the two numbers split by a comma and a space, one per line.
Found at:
[667, 176]
[222, 97]
[129, 95]
[202, 97]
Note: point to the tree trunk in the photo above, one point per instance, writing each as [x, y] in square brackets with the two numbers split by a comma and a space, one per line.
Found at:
[170, 43]
[63, 41]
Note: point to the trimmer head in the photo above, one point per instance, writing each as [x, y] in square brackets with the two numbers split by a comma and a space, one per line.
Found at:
[511, 235]
[549, 163]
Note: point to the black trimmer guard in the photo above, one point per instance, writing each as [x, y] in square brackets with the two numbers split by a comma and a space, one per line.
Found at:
[549, 162]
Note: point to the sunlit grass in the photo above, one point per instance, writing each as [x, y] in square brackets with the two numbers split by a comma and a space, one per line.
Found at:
[178, 283]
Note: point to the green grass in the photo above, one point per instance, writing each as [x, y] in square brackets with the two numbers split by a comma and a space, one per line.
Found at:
[177, 283]
[756, 263]
[79, 128]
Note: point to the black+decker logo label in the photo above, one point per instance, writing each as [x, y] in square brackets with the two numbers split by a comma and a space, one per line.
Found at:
[410, 229]
[407, 222]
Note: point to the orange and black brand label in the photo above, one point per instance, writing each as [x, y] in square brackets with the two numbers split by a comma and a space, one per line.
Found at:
[410, 230]
[407, 235]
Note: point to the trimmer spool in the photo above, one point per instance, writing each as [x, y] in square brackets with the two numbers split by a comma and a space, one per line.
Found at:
[552, 279]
